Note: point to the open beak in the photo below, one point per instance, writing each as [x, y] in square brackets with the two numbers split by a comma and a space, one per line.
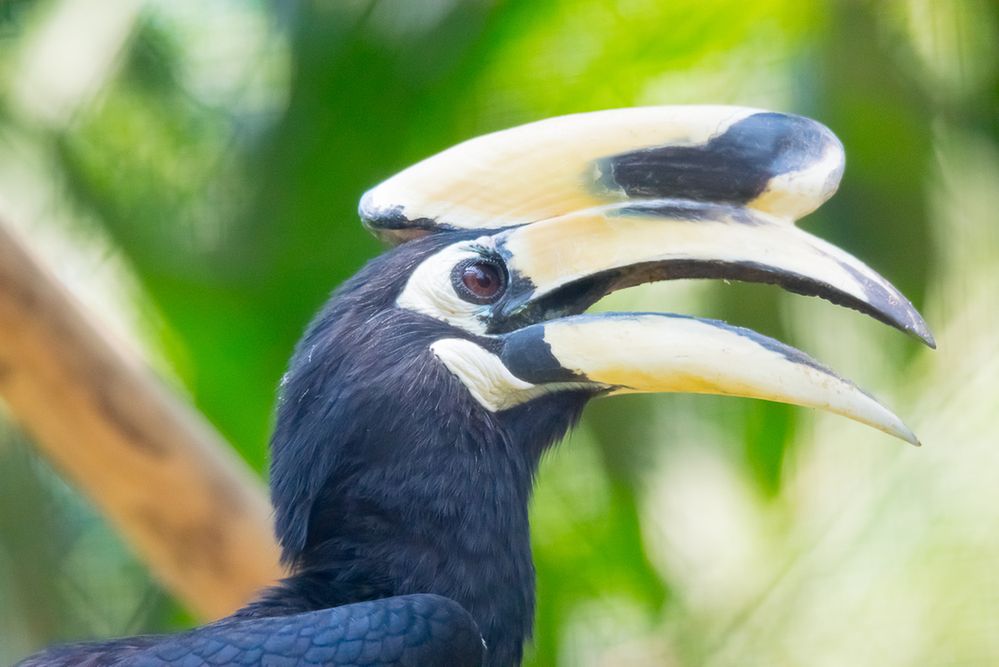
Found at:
[656, 352]
[581, 206]
[574, 260]
[560, 267]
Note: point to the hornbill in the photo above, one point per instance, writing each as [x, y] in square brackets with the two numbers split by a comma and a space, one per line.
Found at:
[418, 403]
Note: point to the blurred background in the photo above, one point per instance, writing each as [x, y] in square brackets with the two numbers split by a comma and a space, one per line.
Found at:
[191, 170]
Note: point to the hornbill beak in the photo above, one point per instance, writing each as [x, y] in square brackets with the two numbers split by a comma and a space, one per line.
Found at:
[657, 352]
[574, 208]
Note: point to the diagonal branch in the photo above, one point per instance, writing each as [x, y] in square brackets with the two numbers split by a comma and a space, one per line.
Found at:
[188, 505]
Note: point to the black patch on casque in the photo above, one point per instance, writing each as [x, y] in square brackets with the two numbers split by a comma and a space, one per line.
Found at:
[733, 167]
[528, 355]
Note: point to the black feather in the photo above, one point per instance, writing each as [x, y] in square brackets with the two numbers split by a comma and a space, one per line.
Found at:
[388, 481]
[405, 631]
[388, 478]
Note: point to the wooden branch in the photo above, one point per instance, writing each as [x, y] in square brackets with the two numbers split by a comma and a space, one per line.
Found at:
[178, 493]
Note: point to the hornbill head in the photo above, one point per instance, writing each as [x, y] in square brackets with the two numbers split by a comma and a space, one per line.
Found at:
[420, 399]
[547, 218]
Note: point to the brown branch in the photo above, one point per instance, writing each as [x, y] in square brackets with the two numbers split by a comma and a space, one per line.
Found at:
[188, 505]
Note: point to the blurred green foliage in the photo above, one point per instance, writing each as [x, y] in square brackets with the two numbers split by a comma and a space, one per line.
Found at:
[220, 160]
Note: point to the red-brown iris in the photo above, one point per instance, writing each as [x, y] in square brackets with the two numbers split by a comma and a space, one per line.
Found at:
[480, 281]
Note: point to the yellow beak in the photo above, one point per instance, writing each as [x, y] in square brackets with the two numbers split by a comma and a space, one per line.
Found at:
[652, 352]
[579, 206]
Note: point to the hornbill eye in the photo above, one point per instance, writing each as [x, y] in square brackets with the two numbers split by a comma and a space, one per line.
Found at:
[479, 280]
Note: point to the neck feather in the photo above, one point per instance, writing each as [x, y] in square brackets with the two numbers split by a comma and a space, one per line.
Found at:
[388, 479]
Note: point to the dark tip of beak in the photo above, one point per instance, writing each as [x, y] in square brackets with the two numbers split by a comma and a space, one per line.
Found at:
[927, 337]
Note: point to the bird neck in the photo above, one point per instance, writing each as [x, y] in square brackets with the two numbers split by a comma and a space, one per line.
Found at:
[470, 543]
[399, 482]
[451, 521]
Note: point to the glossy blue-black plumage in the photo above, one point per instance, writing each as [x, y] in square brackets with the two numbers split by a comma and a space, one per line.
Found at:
[389, 478]
[388, 481]
[412, 631]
